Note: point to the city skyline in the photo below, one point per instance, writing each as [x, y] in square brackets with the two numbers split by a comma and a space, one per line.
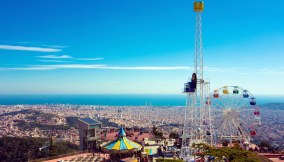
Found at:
[141, 47]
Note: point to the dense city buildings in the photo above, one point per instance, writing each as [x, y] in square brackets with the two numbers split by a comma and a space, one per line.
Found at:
[61, 121]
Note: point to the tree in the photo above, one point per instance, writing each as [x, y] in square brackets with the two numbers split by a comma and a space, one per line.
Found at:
[157, 133]
[264, 145]
[174, 135]
[19, 149]
[232, 154]
[154, 129]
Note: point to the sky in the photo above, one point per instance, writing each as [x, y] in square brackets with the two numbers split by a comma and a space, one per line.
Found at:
[138, 47]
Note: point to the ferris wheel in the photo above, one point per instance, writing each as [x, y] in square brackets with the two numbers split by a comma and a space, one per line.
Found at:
[235, 115]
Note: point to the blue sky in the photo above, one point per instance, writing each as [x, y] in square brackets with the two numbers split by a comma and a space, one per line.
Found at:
[143, 47]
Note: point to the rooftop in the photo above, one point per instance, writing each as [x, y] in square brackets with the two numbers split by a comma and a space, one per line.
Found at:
[89, 121]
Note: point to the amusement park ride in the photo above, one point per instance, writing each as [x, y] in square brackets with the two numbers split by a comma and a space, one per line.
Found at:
[228, 115]
[235, 113]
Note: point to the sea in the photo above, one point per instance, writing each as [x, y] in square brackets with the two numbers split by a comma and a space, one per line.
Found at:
[112, 99]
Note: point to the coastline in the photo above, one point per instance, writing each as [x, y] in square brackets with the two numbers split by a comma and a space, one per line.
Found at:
[112, 99]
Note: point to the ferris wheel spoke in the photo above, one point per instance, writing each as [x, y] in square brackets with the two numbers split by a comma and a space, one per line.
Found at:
[229, 101]
[242, 105]
[245, 125]
[232, 100]
[223, 126]
[224, 103]
[242, 132]
[238, 101]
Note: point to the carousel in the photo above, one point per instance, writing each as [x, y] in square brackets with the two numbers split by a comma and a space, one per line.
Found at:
[122, 147]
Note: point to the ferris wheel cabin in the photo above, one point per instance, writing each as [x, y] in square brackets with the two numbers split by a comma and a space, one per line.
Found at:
[208, 101]
[225, 90]
[256, 113]
[208, 133]
[245, 94]
[252, 132]
[216, 94]
[235, 91]
[252, 101]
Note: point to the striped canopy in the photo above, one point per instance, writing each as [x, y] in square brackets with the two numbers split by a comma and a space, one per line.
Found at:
[121, 143]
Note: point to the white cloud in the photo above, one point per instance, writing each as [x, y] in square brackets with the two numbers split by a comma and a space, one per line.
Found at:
[97, 66]
[55, 56]
[90, 59]
[148, 68]
[55, 46]
[264, 72]
[26, 68]
[25, 48]
[70, 66]
[106, 67]
[53, 61]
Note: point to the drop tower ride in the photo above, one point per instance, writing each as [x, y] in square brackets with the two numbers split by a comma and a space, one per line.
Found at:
[197, 127]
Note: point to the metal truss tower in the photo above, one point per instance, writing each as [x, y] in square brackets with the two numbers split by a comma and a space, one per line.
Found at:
[197, 120]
